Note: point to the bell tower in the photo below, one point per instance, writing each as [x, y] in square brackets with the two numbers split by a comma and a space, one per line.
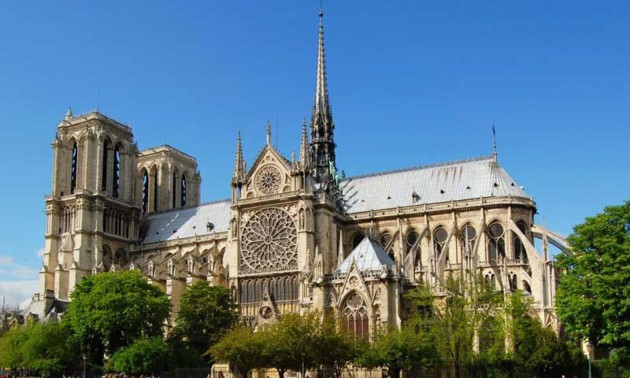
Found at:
[91, 212]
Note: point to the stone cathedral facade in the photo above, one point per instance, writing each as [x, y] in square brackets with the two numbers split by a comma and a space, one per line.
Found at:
[295, 235]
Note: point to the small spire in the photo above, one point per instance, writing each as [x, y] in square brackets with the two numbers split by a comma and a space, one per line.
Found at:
[304, 155]
[239, 164]
[68, 114]
[268, 133]
[494, 143]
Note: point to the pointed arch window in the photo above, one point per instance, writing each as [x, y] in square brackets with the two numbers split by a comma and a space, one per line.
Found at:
[145, 192]
[357, 239]
[412, 247]
[155, 191]
[174, 186]
[116, 173]
[440, 235]
[496, 242]
[104, 166]
[356, 317]
[469, 238]
[183, 191]
[74, 167]
[386, 239]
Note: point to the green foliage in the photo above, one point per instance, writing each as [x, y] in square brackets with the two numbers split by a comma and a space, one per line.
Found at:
[290, 343]
[41, 347]
[538, 352]
[111, 310]
[408, 348]
[453, 318]
[242, 348]
[206, 313]
[334, 347]
[593, 296]
[142, 357]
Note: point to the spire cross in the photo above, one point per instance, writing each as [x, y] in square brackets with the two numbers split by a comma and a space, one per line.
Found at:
[494, 143]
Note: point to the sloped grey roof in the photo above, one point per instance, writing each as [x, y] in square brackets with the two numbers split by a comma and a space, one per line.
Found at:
[368, 256]
[183, 223]
[465, 179]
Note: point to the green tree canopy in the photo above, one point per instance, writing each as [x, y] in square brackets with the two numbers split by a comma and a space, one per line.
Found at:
[41, 347]
[334, 346]
[242, 348]
[144, 356]
[289, 344]
[593, 296]
[111, 310]
[205, 314]
[408, 348]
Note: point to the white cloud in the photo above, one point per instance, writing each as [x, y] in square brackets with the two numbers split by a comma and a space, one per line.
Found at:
[10, 270]
[16, 292]
[40, 252]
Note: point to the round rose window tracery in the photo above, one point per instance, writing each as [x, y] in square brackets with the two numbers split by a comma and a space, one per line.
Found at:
[269, 242]
[268, 180]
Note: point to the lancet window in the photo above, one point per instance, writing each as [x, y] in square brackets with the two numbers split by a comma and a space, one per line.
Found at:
[116, 173]
[74, 167]
[145, 192]
[440, 235]
[469, 238]
[104, 165]
[496, 242]
[174, 186]
[183, 191]
[356, 317]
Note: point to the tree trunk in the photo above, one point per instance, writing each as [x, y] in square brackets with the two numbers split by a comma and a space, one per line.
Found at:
[280, 373]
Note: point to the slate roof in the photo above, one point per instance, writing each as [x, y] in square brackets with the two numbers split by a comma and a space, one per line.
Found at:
[183, 223]
[458, 180]
[368, 256]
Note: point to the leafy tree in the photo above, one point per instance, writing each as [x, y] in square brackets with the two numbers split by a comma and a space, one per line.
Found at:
[408, 348]
[334, 347]
[453, 317]
[40, 347]
[538, 351]
[142, 357]
[289, 343]
[242, 348]
[11, 348]
[205, 314]
[111, 310]
[593, 296]
[49, 348]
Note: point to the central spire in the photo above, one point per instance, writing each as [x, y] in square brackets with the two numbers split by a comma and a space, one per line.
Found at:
[322, 125]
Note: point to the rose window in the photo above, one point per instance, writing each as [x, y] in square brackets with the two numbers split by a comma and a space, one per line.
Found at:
[269, 242]
[268, 180]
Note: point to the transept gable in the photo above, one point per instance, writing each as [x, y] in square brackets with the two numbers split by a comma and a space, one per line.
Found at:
[270, 174]
[354, 282]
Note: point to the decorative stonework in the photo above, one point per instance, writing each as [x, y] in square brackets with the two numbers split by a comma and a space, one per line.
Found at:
[269, 242]
[268, 180]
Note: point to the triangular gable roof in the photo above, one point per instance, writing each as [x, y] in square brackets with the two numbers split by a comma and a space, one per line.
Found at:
[267, 148]
[368, 256]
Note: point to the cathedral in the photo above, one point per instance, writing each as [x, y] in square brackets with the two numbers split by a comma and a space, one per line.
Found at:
[295, 235]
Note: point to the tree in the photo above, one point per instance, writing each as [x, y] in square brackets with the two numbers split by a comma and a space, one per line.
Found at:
[206, 313]
[538, 351]
[144, 356]
[334, 347]
[240, 347]
[453, 318]
[40, 347]
[593, 296]
[289, 343]
[408, 348]
[111, 310]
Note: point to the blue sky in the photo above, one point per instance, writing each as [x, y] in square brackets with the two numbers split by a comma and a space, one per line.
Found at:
[411, 83]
